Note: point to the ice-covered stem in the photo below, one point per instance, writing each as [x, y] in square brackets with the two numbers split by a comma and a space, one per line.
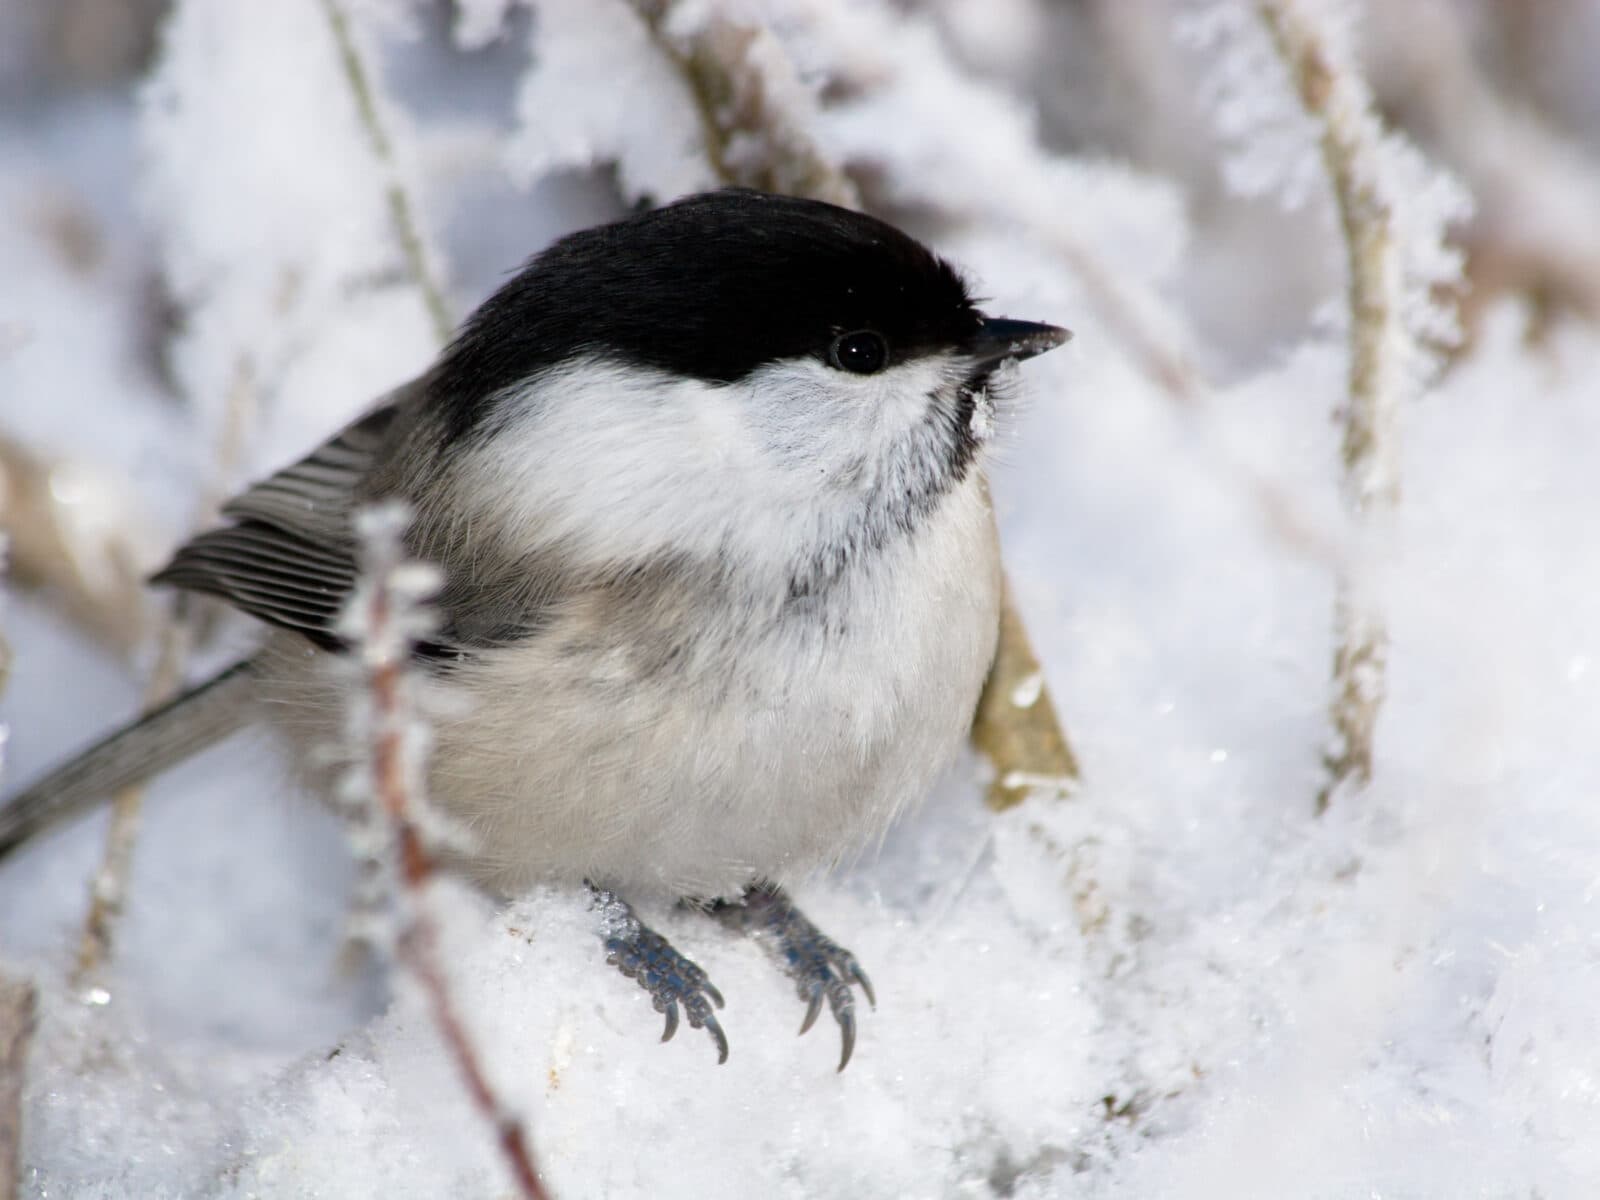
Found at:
[756, 111]
[386, 618]
[18, 1010]
[1380, 343]
[401, 209]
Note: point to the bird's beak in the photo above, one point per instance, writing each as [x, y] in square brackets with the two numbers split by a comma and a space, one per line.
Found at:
[999, 338]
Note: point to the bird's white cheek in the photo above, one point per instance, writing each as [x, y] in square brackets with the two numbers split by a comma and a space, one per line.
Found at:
[829, 426]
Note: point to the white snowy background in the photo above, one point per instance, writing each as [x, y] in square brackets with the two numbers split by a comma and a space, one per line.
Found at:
[1179, 981]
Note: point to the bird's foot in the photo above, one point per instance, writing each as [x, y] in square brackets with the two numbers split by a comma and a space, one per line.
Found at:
[822, 969]
[643, 955]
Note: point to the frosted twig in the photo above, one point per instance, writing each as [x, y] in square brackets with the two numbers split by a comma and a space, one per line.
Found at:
[1382, 350]
[756, 111]
[401, 209]
[386, 618]
[18, 1011]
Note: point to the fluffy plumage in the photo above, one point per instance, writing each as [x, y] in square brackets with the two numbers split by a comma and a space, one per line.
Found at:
[715, 607]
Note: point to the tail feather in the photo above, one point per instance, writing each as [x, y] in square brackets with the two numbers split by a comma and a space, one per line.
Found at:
[139, 750]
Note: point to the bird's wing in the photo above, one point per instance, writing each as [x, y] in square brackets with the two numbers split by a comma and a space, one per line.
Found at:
[287, 553]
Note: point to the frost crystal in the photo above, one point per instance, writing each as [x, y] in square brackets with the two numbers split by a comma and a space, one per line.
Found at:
[1269, 139]
[568, 122]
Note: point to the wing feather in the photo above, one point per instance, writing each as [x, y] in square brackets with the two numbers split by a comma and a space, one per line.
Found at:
[287, 556]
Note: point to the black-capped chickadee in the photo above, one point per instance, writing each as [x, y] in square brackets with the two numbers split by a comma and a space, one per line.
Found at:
[721, 577]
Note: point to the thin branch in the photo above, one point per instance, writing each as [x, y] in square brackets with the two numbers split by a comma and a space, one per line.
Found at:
[402, 212]
[1379, 340]
[756, 111]
[388, 616]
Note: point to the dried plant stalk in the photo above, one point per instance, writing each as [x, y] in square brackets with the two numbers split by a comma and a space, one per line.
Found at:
[402, 212]
[18, 1013]
[68, 538]
[1378, 340]
[747, 89]
[387, 617]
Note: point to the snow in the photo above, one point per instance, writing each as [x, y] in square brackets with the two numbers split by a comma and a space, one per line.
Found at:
[662, 158]
[1174, 982]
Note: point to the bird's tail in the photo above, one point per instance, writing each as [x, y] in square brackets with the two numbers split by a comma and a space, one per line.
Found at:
[161, 738]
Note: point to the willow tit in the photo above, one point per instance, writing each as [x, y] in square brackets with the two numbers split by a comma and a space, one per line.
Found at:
[721, 577]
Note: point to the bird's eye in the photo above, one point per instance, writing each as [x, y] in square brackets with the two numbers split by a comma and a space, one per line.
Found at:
[860, 353]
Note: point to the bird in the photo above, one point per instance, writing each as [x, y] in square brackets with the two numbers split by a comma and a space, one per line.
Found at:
[720, 574]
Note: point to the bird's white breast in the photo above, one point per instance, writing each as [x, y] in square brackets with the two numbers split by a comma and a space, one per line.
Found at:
[690, 734]
[769, 759]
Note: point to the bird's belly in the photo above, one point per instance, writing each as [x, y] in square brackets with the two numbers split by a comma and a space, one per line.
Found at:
[776, 756]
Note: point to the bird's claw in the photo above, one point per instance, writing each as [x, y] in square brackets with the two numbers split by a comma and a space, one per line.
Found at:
[827, 972]
[643, 955]
[823, 970]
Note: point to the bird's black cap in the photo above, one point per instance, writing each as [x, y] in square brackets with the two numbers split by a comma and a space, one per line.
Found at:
[710, 287]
